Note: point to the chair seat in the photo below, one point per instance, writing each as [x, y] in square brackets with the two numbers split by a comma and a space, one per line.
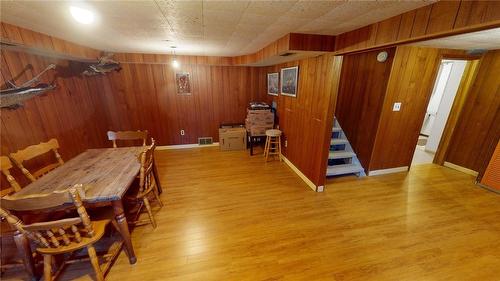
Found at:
[98, 226]
[273, 133]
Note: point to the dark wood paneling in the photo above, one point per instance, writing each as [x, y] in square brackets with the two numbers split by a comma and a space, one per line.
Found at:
[478, 127]
[52, 45]
[306, 121]
[311, 42]
[143, 96]
[440, 19]
[411, 81]
[421, 21]
[72, 113]
[406, 25]
[363, 84]
[387, 30]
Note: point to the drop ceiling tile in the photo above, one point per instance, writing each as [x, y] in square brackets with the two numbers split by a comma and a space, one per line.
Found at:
[270, 8]
[223, 27]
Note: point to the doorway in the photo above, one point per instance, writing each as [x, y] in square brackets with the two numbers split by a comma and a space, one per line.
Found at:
[440, 104]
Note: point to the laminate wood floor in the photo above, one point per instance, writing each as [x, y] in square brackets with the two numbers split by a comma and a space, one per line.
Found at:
[228, 216]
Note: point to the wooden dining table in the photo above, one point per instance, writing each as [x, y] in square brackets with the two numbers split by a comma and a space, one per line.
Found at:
[106, 175]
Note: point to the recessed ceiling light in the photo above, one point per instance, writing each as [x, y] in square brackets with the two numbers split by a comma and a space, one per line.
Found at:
[82, 15]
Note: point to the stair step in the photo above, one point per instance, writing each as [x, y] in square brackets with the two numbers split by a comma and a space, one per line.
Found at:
[340, 154]
[336, 129]
[338, 141]
[343, 169]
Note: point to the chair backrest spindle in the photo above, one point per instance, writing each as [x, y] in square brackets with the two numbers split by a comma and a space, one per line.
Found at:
[5, 166]
[127, 135]
[34, 151]
[51, 234]
[146, 171]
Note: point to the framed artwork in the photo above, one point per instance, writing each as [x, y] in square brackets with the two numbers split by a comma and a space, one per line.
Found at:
[183, 83]
[289, 78]
[273, 83]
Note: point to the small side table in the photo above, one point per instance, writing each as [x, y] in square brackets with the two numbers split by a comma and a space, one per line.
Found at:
[252, 139]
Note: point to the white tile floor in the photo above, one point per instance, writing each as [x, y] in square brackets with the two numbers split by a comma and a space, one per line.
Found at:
[421, 156]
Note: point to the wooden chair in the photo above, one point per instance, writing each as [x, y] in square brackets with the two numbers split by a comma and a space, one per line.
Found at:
[147, 186]
[34, 151]
[60, 236]
[6, 231]
[127, 135]
[6, 165]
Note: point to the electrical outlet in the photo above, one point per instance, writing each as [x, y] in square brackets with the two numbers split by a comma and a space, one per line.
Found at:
[286, 143]
[182, 133]
[396, 106]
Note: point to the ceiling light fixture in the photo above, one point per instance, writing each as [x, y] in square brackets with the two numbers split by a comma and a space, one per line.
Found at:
[175, 63]
[81, 15]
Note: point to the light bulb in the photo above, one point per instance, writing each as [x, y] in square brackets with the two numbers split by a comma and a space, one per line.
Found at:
[175, 63]
[81, 15]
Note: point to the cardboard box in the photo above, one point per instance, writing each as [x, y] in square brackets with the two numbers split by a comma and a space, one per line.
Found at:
[259, 130]
[257, 111]
[261, 118]
[232, 139]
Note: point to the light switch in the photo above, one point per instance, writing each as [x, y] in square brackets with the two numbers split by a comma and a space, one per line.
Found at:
[396, 106]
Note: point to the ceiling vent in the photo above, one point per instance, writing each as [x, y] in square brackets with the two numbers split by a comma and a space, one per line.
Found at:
[205, 141]
[287, 54]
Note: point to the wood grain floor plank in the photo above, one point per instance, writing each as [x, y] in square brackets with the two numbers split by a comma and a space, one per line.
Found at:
[229, 216]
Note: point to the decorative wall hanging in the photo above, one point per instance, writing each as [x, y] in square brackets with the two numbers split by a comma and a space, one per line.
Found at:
[104, 65]
[273, 83]
[289, 78]
[14, 96]
[183, 83]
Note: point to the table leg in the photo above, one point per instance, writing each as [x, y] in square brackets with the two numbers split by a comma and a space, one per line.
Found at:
[24, 250]
[251, 145]
[157, 178]
[124, 231]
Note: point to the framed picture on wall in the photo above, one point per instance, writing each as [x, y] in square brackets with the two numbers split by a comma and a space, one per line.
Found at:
[273, 83]
[289, 78]
[183, 83]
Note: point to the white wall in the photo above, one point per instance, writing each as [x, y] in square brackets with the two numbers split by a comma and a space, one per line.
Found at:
[444, 108]
[437, 94]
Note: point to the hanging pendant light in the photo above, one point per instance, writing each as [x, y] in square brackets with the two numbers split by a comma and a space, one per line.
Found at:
[175, 63]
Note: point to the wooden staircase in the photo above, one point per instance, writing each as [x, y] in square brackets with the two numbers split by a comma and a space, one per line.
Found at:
[342, 159]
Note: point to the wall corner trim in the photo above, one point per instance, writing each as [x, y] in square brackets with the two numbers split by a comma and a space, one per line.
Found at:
[388, 171]
[302, 176]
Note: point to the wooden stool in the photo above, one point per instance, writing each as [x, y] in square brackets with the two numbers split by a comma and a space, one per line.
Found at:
[273, 143]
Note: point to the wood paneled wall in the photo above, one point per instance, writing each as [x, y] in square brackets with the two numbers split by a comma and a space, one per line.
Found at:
[143, 96]
[73, 113]
[307, 120]
[45, 44]
[440, 19]
[385, 139]
[411, 81]
[478, 128]
[363, 85]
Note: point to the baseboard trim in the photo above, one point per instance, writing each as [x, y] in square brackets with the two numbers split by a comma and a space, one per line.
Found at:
[184, 146]
[302, 176]
[494, 190]
[388, 171]
[460, 169]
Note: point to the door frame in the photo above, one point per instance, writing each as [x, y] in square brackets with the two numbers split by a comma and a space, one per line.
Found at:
[468, 78]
